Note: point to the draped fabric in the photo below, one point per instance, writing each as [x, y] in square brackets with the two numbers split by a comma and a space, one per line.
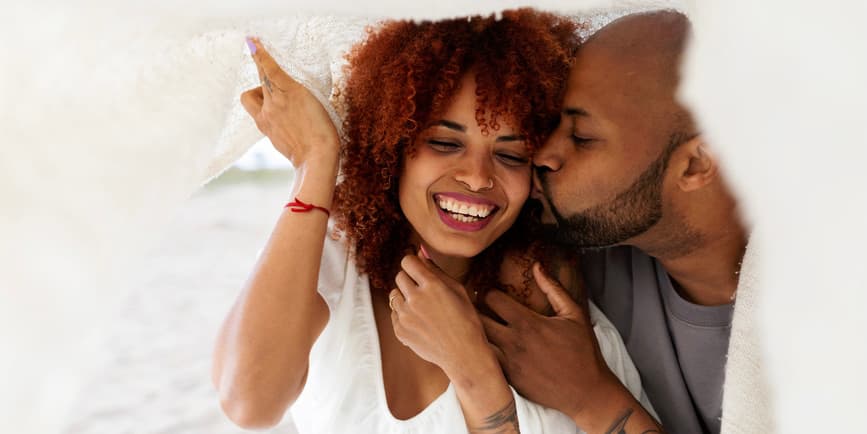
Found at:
[113, 114]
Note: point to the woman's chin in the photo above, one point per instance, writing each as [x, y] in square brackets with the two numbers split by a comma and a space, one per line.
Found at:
[453, 250]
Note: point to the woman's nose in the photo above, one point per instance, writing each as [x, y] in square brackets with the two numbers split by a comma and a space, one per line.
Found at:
[476, 173]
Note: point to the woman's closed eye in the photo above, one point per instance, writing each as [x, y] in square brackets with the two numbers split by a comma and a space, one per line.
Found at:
[443, 145]
[513, 160]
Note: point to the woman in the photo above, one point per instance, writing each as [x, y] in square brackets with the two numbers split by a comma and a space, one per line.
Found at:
[441, 122]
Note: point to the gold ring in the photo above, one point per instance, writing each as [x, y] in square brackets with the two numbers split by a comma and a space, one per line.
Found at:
[391, 301]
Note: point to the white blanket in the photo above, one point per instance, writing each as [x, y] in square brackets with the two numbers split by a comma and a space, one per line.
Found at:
[112, 115]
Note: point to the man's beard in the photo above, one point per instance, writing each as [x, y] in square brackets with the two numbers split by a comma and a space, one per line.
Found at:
[632, 212]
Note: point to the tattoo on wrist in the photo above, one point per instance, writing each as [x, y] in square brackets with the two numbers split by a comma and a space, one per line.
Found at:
[503, 421]
[619, 425]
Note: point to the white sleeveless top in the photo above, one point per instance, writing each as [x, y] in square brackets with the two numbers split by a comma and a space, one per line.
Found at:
[344, 392]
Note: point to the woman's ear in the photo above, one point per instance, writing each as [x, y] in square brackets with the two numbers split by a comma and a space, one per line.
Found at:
[697, 166]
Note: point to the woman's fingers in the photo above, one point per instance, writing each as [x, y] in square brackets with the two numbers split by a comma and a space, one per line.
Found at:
[428, 274]
[406, 285]
[270, 73]
[252, 101]
[396, 300]
[253, 49]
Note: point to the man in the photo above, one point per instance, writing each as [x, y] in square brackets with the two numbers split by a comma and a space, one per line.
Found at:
[625, 170]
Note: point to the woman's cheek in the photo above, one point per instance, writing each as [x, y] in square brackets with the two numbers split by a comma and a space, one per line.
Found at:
[518, 190]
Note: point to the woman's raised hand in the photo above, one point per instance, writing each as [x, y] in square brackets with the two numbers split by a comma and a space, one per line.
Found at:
[432, 314]
[288, 114]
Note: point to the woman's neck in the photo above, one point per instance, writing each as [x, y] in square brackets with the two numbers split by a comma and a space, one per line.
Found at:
[457, 268]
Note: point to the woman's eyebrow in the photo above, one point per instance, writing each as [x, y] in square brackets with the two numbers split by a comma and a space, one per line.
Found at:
[512, 138]
[451, 125]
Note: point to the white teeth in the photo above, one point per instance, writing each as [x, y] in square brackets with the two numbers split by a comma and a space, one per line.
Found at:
[463, 218]
[475, 210]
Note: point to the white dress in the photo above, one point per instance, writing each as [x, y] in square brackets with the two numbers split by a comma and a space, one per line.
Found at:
[344, 392]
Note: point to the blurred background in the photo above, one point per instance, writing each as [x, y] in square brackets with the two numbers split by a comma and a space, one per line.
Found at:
[154, 376]
[115, 112]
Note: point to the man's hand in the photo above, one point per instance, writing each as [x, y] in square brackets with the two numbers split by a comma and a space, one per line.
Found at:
[556, 361]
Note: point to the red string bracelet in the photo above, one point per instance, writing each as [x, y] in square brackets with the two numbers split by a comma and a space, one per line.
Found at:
[298, 206]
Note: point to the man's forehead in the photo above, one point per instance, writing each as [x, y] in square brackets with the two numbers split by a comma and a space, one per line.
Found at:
[594, 78]
[631, 61]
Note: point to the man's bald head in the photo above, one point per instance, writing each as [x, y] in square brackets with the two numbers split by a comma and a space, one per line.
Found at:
[653, 41]
[644, 52]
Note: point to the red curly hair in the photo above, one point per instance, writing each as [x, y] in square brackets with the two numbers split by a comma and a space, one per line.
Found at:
[404, 75]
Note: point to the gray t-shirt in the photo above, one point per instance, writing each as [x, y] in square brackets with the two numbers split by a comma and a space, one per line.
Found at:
[678, 347]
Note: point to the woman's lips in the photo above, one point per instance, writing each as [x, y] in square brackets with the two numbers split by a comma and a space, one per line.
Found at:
[470, 226]
[464, 213]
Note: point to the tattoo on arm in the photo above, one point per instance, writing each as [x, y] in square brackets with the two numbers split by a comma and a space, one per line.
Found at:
[503, 421]
[619, 425]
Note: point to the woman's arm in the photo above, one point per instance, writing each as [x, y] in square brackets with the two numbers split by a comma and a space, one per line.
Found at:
[433, 315]
[261, 357]
[485, 396]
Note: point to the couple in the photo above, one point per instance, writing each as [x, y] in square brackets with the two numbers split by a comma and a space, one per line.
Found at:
[374, 316]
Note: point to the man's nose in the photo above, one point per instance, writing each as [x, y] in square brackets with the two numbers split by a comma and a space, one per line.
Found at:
[549, 158]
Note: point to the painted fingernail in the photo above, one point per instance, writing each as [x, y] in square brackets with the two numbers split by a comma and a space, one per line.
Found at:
[423, 251]
[251, 45]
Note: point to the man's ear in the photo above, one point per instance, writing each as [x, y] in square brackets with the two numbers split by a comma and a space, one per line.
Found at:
[697, 167]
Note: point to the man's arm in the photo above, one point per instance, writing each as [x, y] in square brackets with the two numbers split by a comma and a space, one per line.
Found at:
[556, 362]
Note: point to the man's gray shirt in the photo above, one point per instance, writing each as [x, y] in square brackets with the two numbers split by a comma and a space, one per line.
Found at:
[678, 347]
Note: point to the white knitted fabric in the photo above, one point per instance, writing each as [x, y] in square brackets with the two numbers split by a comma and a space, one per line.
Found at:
[114, 113]
[746, 397]
[311, 49]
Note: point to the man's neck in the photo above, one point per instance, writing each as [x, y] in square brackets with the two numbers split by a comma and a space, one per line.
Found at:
[707, 273]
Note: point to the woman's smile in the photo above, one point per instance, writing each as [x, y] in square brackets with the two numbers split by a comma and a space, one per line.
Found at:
[464, 213]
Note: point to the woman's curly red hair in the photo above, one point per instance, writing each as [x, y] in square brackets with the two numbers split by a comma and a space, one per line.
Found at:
[403, 75]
